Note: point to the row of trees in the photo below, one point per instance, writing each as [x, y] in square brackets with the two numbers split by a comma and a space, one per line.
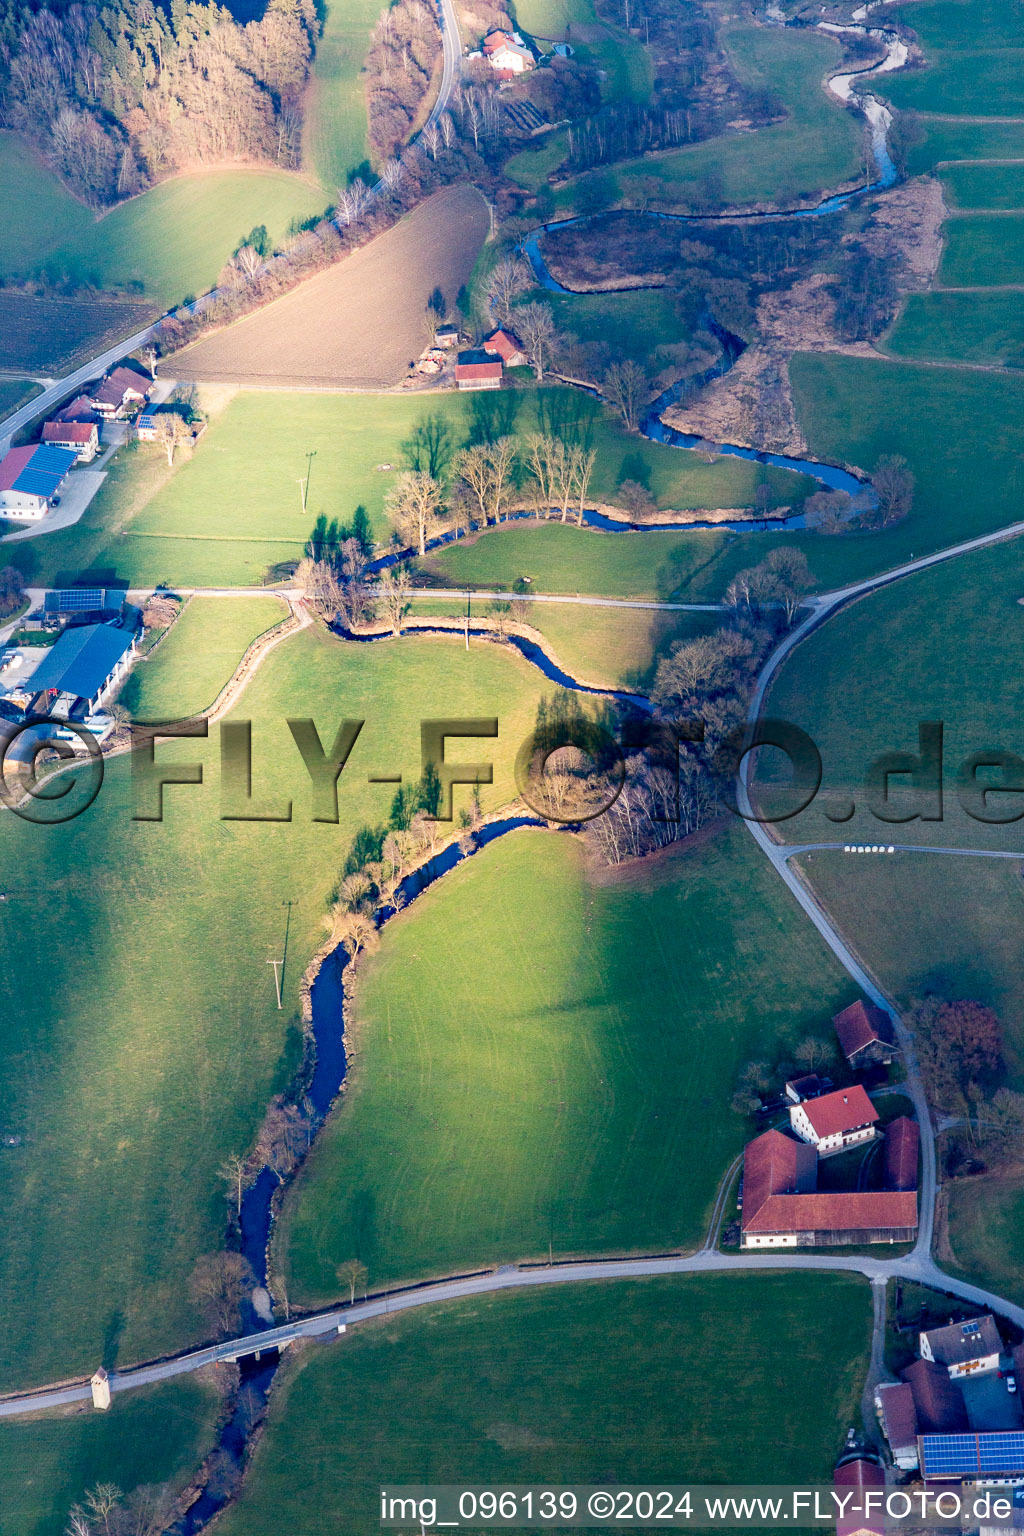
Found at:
[490, 480]
[121, 94]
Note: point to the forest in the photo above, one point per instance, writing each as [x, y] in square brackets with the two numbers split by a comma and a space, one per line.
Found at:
[119, 95]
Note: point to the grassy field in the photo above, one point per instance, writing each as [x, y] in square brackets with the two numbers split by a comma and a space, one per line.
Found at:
[225, 515]
[157, 1435]
[334, 127]
[951, 138]
[983, 249]
[632, 324]
[520, 1081]
[896, 911]
[816, 147]
[174, 239]
[612, 1383]
[861, 684]
[960, 327]
[855, 409]
[615, 647]
[688, 566]
[985, 1223]
[984, 186]
[974, 55]
[609, 647]
[46, 211]
[142, 1073]
[199, 655]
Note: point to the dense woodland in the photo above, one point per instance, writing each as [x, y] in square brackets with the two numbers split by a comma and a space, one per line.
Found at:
[118, 95]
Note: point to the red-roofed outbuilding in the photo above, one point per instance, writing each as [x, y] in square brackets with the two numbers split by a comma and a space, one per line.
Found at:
[865, 1034]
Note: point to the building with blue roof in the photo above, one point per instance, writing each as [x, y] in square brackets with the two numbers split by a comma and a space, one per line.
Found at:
[82, 670]
[31, 477]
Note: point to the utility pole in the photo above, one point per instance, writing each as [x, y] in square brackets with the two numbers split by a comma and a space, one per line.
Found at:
[277, 978]
[302, 482]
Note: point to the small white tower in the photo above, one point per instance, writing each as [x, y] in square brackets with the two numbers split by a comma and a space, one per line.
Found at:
[100, 1384]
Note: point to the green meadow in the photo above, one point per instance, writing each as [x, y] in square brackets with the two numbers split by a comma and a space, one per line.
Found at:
[952, 138]
[173, 240]
[631, 324]
[536, 1057]
[969, 480]
[334, 128]
[984, 186]
[974, 53]
[164, 244]
[47, 213]
[979, 327]
[861, 683]
[156, 1058]
[983, 250]
[155, 1436]
[555, 557]
[615, 647]
[191, 664]
[229, 512]
[621, 1382]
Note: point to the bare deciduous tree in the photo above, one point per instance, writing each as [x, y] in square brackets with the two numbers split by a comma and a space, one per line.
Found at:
[535, 327]
[353, 1274]
[627, 387]
[393, 596]
[415, 502]
[219, 1284]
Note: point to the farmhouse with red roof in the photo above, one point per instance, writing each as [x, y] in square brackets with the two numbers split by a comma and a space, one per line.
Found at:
[82, 436]
[505, 344]
[507, 54]
[865, 1034]
[478, 370]
[836, 1121]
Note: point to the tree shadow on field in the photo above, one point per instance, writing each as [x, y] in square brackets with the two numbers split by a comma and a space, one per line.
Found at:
[567, 415]
[491, 414]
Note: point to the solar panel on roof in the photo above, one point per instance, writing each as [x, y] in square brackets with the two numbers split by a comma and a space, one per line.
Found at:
[80, 600]
[972, 1455]
[37, 482]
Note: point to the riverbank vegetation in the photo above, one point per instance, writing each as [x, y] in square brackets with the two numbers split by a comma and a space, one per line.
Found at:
[586, 1383]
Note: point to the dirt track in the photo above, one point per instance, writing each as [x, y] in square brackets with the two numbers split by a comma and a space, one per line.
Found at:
[361, 322]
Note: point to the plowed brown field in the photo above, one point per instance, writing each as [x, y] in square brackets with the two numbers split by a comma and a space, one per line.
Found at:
[361, 322]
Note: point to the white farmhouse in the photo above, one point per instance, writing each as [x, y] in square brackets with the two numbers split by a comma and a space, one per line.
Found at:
[836, 1121]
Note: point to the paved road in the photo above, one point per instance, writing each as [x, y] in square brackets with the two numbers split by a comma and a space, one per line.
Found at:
[911, 1267]
[583, 602]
